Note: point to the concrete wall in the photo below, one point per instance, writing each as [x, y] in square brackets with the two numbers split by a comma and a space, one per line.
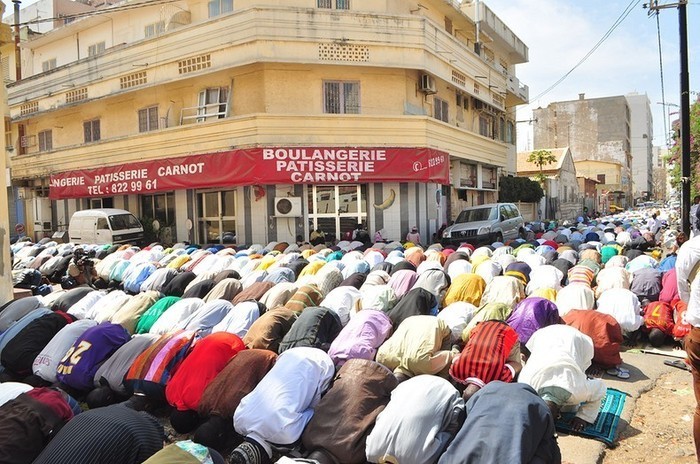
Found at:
[642, 136]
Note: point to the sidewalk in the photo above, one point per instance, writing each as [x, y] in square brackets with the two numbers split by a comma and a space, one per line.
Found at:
[645, 370]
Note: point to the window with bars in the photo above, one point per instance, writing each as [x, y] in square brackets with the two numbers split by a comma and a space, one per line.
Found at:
[441, 109]
[96, 49]
[48, 65]
[341, 97]
[91, 130]
[154, 29]
[148, 119]
[219, 7]
[338, 4]
[45, 140]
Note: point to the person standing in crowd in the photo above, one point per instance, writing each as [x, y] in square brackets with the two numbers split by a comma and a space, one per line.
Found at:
[413, 236]
[687, 266]
[695, 217]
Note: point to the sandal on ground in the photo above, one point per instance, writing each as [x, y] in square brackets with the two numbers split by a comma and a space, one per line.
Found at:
[678, 363]
[619, 372]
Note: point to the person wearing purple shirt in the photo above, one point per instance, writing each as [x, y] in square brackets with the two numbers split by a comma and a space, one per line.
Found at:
[365, 332]
[532, 314]
[77, 368]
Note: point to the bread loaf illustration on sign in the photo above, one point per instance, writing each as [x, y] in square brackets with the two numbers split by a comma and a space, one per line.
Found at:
[388, 201]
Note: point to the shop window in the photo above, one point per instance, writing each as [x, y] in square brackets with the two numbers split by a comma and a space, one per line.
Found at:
[160, 206]
[45, 140]
[441, 109]
[91, 130]
[219, 7]
[148, 119]
[95, 203]
[217, 217]
[341, 97]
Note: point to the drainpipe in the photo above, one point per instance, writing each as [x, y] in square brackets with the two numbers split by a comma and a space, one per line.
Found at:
[477, 17]
[18, 58]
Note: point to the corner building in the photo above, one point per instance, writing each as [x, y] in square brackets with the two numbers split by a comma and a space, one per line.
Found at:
[260, 121]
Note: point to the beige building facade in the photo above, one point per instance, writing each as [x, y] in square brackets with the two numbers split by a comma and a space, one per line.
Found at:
[562, 198]
[133, 97]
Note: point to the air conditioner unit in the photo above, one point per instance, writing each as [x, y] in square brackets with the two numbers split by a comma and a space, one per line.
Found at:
[427, 84]
[287, 207]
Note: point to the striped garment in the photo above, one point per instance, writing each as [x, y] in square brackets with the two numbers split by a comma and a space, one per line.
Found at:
[581, 275]
[154, 367]
[110, 435]
[306, 296]
[484, 358]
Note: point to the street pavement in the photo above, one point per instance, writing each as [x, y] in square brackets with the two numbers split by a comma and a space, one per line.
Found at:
[645, 369]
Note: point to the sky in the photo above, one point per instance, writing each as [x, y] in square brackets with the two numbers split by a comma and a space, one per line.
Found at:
[559, 33]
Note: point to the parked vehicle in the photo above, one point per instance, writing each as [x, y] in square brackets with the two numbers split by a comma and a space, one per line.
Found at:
[494, 222]
[106, 225]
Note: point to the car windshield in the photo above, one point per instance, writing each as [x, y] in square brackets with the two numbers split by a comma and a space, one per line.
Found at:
[124, 221]
[476, 215]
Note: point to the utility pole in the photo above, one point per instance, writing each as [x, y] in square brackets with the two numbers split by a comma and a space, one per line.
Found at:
[654, 8]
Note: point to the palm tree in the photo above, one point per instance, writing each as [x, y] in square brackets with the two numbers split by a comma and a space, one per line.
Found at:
[540, 158]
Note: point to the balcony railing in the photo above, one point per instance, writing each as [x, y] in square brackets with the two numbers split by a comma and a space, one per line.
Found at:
[203, 113]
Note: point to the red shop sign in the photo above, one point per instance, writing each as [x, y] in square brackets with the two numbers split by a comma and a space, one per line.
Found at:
[281, 165]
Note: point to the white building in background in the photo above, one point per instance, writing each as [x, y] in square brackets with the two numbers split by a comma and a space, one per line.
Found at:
[641, 138]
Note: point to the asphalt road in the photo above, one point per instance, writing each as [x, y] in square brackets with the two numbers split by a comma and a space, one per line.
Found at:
[645, 370]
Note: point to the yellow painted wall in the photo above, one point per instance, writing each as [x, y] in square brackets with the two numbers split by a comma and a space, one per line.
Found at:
[593, 168]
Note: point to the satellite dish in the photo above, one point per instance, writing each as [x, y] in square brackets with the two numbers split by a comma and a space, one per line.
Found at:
[156, 225]
[188, 224]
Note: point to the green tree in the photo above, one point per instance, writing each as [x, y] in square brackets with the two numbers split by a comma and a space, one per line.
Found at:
[674, 157]
[514, 189]
[541, 158]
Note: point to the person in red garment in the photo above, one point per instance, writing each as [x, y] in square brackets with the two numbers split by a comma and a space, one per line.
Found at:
[184, 391]
[492, 353]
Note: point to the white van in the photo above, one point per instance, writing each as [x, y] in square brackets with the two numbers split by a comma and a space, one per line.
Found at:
[105, 225]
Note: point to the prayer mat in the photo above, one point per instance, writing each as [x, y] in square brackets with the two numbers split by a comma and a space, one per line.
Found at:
[605, 425]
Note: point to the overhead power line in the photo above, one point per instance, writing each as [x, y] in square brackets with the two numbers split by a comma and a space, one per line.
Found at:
[617, 22]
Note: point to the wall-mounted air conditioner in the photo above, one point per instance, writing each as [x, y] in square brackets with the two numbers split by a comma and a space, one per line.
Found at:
[427, 84]
[287, 206]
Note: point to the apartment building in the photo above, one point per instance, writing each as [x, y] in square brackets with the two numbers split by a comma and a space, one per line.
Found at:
[250, 122]
[598, 131]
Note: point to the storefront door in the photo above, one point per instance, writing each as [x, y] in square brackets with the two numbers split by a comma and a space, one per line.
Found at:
[216, 212]
[337, 209]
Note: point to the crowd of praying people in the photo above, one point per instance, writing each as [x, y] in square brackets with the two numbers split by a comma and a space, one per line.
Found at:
[349, 353]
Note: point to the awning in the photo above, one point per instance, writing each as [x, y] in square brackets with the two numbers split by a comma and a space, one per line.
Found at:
[281, 165]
